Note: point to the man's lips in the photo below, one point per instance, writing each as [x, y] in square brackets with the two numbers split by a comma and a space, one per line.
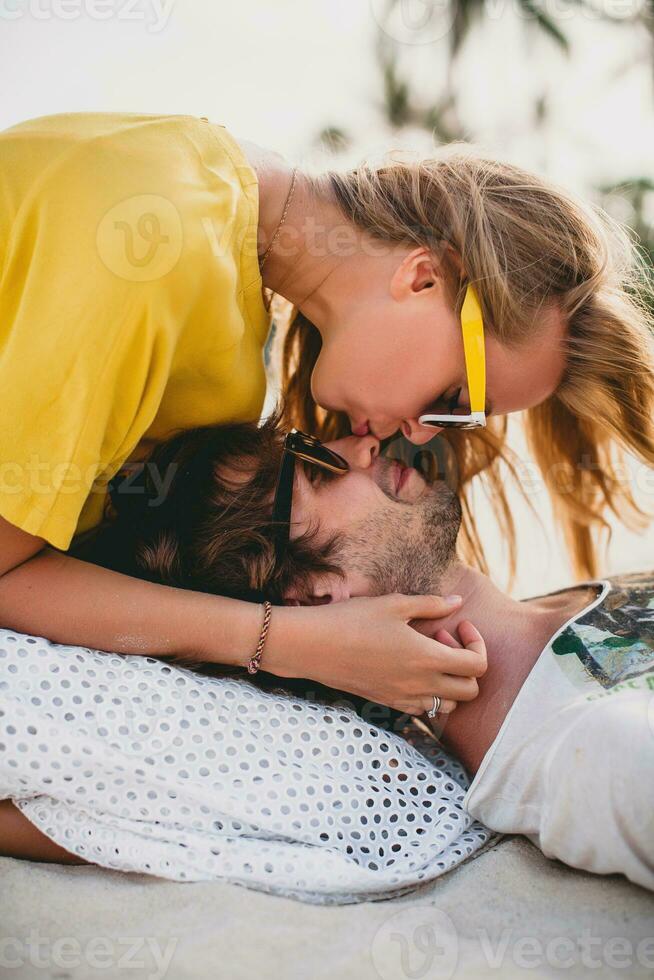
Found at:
[402, 474]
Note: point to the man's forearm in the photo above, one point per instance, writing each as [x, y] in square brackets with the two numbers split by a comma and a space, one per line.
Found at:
[71, 601]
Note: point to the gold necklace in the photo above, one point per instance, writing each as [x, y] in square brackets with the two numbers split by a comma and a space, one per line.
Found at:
[283, 218]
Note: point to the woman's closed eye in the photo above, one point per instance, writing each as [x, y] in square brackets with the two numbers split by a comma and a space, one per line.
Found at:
[447, 404]
[453, 404]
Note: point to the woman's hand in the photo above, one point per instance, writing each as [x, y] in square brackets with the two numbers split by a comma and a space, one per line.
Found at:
[367, 646]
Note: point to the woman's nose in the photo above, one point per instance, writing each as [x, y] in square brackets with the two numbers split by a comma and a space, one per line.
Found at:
[418, 434]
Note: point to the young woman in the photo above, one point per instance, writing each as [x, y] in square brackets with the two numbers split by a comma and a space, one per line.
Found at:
[135, 253]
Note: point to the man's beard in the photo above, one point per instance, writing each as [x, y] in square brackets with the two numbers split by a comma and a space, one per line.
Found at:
[407, 550]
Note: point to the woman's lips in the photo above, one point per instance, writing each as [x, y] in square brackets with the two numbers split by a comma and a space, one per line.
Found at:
[361, 429]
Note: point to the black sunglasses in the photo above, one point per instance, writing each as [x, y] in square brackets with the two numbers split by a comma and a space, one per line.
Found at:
[298, 445]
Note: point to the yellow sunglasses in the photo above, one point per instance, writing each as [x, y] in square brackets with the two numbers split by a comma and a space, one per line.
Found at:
[474, 350]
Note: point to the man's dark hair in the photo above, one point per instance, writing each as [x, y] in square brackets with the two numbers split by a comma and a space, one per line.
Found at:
[198, 515]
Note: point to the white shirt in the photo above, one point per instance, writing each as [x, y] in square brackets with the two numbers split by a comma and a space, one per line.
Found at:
[572, 766]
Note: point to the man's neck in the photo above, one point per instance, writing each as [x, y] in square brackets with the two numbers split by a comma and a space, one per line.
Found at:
[515, 633]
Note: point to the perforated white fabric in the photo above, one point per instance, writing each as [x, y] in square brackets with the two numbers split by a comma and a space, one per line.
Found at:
[134, 764]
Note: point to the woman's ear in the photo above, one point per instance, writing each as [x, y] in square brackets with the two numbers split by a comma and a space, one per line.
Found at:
[416, 271]
[318, 591]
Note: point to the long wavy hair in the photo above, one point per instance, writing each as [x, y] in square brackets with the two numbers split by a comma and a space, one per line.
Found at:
[524, 244]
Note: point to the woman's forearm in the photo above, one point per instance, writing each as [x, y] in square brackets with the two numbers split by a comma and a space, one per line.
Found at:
[72, 601]
[365, 646]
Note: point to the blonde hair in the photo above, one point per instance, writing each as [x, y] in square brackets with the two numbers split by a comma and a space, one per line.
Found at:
[525, 245]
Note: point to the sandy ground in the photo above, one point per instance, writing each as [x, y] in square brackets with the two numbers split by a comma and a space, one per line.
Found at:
[508, 912]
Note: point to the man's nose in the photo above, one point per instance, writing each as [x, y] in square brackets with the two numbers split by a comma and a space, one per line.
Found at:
[359, 451]
[418, 434]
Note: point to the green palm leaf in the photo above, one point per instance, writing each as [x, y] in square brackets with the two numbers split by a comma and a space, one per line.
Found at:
[545, 23]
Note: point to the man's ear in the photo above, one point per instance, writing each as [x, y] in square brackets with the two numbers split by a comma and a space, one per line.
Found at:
[318, 591]
[417, 271]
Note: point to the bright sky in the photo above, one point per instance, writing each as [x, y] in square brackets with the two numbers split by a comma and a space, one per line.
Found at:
[279, 72]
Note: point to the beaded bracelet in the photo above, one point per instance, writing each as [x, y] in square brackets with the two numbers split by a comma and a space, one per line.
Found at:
[255, 662]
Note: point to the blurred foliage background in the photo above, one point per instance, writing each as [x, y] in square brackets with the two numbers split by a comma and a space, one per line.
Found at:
[440, 75]
[420, 48]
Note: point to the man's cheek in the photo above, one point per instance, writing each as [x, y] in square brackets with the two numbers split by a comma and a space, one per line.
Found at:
[347, 508]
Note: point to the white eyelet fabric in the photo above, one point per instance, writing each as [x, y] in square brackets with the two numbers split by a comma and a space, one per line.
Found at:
[134, 764]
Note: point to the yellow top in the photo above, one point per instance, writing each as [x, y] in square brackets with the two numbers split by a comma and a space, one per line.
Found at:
[130, 302]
